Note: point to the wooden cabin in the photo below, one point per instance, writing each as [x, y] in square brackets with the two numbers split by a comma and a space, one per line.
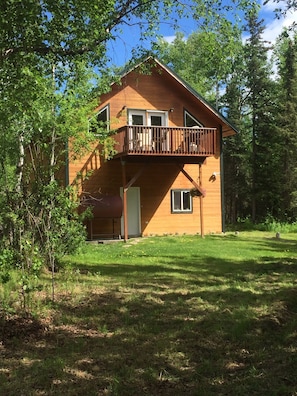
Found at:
[166, 175]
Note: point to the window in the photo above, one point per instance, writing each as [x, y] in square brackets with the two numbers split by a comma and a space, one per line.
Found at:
[181, 201]
[156, 120]
[191, 121]
[147, 117]
[137, 119]
[99, 123]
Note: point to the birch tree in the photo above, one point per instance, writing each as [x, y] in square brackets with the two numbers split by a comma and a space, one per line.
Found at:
[53, 57]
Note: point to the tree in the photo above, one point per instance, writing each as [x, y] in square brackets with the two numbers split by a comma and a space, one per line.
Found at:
[49, 51]
[286, 122]
[205, 59]
[212, 61]
[237, 149]
[260, 101]
[285, 6]
[52, 62]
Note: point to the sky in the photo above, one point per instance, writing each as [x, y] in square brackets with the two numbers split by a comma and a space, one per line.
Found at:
[275, 26]
[120, 51]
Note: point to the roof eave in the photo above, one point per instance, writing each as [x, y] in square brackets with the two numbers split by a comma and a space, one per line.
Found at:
[227, 128]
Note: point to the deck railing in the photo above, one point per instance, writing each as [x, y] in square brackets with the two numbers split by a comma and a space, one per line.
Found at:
[159, 140]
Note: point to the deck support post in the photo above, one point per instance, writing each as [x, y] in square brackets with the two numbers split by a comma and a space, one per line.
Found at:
[201, 203]
[125, 211]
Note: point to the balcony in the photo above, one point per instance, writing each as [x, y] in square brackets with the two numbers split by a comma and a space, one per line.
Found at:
[165, 141]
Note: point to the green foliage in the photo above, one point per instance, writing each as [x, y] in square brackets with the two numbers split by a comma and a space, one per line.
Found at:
[270, 224]
[286, 51]
[6, 263]
[265, 186]
[213, 315]
[66, 233]
[209, 67]
[53, 68]
[259, 163]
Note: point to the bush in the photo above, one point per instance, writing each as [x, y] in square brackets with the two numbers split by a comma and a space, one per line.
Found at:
[269, 224]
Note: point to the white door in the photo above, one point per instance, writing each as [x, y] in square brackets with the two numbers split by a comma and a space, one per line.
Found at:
[158, 119]
[133, 212]
[137, 138]
[147, 138]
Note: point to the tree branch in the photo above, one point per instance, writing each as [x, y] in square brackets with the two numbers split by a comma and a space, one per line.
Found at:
[122, 12]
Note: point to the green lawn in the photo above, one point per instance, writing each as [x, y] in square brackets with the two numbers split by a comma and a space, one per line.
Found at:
[174, 315]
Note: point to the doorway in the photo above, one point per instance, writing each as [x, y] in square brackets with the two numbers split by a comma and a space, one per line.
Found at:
[152, 138]
[157, 119]
[133, 212]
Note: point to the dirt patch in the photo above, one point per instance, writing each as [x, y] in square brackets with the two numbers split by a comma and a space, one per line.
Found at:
[24, 327]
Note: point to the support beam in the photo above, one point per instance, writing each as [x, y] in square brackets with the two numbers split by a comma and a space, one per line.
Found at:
[135, 177]
[201, 204]
[125, 211]
[199, 187]
[222, 182]
[202, 192]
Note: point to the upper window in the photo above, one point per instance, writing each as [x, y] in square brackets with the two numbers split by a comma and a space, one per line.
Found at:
[100, 121]
[181, 201]
[137, 119]
[191, 121]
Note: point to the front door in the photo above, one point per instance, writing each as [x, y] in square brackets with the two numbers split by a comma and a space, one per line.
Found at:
[133, 212]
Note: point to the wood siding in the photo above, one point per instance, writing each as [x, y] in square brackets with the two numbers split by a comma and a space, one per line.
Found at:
[157, 91]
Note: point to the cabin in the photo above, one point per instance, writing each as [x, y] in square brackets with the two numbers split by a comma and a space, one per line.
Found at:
[166, 175]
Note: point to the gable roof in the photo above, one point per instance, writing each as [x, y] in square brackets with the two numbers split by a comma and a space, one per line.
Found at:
[227, 128]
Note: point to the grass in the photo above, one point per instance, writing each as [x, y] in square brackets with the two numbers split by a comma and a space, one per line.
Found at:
[174, 315]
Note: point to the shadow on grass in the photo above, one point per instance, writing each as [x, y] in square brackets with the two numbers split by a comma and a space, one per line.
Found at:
[182, 327]
[176, 345]
[206, 271]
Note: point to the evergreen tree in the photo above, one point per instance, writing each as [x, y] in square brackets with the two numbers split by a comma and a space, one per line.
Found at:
[237, 149]
[260, 101]
[286, 122]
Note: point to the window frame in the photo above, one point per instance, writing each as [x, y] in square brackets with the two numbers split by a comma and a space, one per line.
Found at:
[95, 116]
[147, 114]
[182, 191]
[187, 113]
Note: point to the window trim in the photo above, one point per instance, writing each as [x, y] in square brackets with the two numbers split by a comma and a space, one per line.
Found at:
[147, 113]
[139, 112]
[186, 112]
[181, 210]
[107, 108]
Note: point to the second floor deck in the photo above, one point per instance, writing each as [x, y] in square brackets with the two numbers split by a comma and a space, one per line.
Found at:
[140, 140]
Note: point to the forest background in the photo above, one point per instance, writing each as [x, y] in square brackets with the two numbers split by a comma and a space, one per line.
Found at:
[252, 81]
[55, 62]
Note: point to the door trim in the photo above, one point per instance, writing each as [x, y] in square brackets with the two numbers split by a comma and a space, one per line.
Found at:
[133, 214]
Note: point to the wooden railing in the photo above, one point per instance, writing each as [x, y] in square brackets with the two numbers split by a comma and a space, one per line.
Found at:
[159, 140]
